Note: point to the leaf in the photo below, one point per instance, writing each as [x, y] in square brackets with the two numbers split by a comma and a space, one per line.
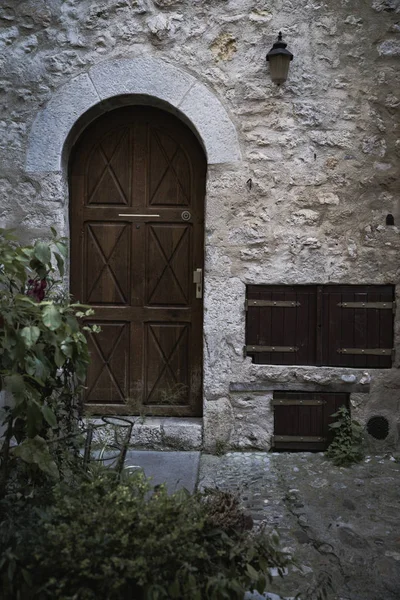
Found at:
[30, 335]
[51, 317]
[59, 358]
[62, 248]
[34, 420]
[67, 348]
[42, 252]
[15, 384]
[252, 572]
[53, 231]
[49, 415]
[60, 263]
[35, 451]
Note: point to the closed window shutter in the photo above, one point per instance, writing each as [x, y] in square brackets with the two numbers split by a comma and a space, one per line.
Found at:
[332, 325]
[357, 326]
[281, 324]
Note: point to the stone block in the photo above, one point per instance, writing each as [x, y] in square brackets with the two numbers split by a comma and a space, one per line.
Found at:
[253, 421]
[389, 48]
[141, 76]
[218, 424]
[53, 124]
[213, 124]
[168, 433]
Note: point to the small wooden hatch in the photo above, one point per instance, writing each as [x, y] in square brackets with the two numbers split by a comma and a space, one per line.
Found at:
[301, 419]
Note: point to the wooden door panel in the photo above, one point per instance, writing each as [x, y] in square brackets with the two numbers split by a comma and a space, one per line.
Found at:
[168, 264]
[167, 351]
[109, 170]
[132, 258]
[107, 279]
[169, 181]
[107, 381]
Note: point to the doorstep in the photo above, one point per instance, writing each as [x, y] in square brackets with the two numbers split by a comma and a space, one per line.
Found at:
[158, 433]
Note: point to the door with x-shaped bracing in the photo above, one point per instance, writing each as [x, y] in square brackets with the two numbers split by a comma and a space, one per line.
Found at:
[137, 184]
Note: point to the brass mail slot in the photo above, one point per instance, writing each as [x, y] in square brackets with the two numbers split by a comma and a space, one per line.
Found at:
[370, 351]
[388, 305]
[276, 303]
[298, 438]
[297, 402]
[271, 349]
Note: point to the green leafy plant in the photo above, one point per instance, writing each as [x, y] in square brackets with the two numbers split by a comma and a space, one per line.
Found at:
[347, 445]
[109, 538]
[43, 356]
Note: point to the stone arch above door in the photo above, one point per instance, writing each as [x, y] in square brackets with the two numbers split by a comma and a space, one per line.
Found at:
[143, 76]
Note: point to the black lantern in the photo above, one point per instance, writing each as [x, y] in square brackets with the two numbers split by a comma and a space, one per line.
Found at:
[279, 59]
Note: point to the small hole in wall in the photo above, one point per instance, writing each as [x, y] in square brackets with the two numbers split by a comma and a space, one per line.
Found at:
[389, 219]
[378, 427]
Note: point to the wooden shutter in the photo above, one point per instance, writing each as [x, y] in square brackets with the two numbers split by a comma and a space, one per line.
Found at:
[301, 419]
[281, 324]
[357, 326]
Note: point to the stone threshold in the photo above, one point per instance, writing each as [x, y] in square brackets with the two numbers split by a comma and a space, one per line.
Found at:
[157, 433]
[274, 386]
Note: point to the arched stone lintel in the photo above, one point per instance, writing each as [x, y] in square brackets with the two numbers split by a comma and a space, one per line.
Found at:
[140, 76]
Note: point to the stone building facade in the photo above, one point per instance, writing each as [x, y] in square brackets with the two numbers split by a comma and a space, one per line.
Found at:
[300, 178]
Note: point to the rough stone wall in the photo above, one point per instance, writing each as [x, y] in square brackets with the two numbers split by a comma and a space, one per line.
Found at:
[320, 158]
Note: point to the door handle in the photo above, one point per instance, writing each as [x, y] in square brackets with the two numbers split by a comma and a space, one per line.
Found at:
[198, 280]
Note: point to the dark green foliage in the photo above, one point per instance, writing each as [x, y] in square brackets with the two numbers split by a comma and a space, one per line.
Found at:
[347, 446]
[43, 358]
[108, 539]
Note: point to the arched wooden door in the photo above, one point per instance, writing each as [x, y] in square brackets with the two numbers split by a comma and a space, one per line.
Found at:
[137, 182]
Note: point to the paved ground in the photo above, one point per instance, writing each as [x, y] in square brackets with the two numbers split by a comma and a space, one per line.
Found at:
[340, 524]
[175, 469]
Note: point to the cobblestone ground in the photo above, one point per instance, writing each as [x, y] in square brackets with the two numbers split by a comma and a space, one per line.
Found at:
[340, 524]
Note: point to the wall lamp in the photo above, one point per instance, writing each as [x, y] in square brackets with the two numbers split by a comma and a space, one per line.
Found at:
[279, 59]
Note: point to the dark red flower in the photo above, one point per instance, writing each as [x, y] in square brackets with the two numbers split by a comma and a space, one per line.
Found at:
[36, 289]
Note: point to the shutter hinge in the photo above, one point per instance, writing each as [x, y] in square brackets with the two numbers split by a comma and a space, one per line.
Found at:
[273, 303]
[367, 351]
[374, 305]
[271, 348]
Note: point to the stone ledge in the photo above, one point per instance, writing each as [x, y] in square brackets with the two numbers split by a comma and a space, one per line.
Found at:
[160, 433]
[257, 386]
